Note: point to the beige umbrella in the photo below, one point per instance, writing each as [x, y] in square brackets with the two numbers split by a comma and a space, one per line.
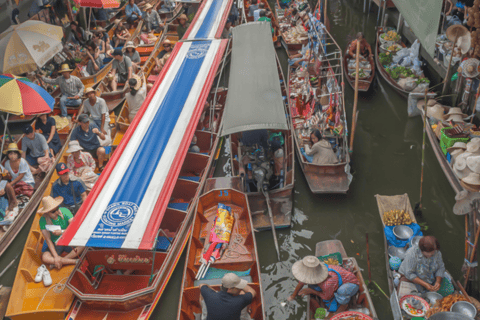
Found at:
[28, 46]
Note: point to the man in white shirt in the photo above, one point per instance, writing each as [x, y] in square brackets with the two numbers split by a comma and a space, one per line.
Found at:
[98, 110]
[136, 96]
[256, 13]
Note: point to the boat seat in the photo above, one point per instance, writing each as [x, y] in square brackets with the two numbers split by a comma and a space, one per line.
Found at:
[163, 243]
[27, 275]
[152, 78]
[216, 282]
[181, 206]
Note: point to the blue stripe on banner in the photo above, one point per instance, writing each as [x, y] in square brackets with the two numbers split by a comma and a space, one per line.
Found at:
[116, 220]
[209, 20]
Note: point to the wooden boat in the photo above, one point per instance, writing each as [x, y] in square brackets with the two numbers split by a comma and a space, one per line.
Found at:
[242, 238]
[383, 72]
[30, 300]
[332, 246]
[385, 204]
[326, 178]
[363, 84]
[8, 235]
[139, 291]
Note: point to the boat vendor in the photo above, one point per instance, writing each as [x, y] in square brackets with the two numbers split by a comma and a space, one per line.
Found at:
[34, 147]
[98, 110]
[152, 19]
[135, 96]
[182, 26]
[71, 87]
[121, 69]
[423, 265]
[132, 12]
[365, 48]
[48, 128]
[72, 192]
[321, 149]
[301, 58]
[57, 219]
[228, 303]
[81, 164]
[95, 61]
[132, 53]
[88, 135]
[334, 285]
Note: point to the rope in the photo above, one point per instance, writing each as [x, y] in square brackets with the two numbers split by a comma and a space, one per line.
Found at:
[57, 288]
[236, 248]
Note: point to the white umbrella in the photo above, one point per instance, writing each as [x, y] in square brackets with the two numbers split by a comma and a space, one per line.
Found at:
[28, 46]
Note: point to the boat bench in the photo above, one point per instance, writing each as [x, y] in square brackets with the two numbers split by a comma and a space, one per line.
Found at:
[218, 282]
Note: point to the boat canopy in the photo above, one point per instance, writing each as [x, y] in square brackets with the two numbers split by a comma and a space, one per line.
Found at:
[254, 99]
[209, 20]
[128, 202]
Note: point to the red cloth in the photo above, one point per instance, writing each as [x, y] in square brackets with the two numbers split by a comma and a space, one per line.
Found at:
[23, 188]
[330, 285]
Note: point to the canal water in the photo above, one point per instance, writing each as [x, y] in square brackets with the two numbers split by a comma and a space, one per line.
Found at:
[386, 160]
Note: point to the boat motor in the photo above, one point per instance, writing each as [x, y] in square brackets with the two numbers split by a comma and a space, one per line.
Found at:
[262, 169]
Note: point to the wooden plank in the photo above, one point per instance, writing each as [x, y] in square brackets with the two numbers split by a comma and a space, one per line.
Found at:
[4, 297]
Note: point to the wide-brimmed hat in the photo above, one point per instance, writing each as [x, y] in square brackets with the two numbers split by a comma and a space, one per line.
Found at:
[457, 145]
[138, 85]
[74, 146]
[65, 68]
[460, 165]
[310, 270]
[437, 112]
[470, 68]
[473, 163]
[473, 145]
[454, 155]
[49, 203]
[99, 29]
[456, 31]
[455, 114]
[167, 42]
[89, 90]
[431, 102]
[183, 16]
[473, 178]
[148, 6]
[129, 44]
[12, 147]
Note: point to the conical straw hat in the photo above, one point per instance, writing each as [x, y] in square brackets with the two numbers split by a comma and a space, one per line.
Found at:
[473, 145]
[457, 145]
[472, 179]
[310, 270]
[473, 163]
[456, 31]
[49, 203]
[470, 68]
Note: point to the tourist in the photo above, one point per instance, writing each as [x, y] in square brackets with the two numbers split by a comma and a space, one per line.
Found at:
[103, 46]
[152, 19]
[234, 296]
[47, 126]
[256, 13]
[13, 12]
[98, 110]
[81, 164]
[34, 147]
[182, 26]
[88, 135]
[54, 221]
[73, 192]
[95, 61]
[133, 54]
[321, 149]
[227, 31]
[365, 48]
[253, 6]
[135, 96]
[120, 36]
[267, 16]
[6, 189]
[19, 170]
[162, 57]
[423, 265]
[71, 88]
[334, 285]
[121, 69]
[132, 12]
[77, 34]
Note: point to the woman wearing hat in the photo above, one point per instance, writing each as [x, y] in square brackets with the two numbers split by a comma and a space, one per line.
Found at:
[333, 285]
[163, 56]
[182, 26]
[133, 54]
[81, 164]
[57, 220]
[120, 36]
[135, 96]
[22, 178]
[152, 19]
[46, 125]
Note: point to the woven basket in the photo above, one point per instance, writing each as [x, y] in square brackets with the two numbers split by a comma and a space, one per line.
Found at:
[446, 142]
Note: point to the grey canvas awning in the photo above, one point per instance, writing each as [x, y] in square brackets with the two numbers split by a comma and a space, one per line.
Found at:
[254, 99]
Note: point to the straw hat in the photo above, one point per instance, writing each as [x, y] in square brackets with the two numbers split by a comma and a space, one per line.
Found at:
[455, 114]
[49, 203]
[310, 270]
[65, 68]
[437, 112]
[473, 163]
[470, 68]
[12, 147]
[454, 155]
[148, 6]
[183, 16]
[473, 145]
[473, 179]
[129, 44]
[74, 146]
[88, 90]
[457, 145]
[167, 42]
[431, 102]
[139, 82]
[456, 31]
[460, 166]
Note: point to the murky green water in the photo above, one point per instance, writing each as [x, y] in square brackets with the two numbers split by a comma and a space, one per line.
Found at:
[386, 160]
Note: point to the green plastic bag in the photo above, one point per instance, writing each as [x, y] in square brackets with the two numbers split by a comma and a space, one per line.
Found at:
[455, 76]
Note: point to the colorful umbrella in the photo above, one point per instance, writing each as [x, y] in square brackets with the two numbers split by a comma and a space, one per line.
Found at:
[98, 3]
[20, 96]
[28, 46]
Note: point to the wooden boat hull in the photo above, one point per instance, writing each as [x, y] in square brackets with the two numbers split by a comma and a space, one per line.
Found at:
[243, 228]
[363, 85]
[331, 246]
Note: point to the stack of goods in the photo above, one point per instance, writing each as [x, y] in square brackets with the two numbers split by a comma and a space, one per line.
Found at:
[364, 71]
[445, 304]
[292, 28]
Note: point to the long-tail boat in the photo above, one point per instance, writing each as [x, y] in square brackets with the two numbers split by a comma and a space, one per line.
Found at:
[242, 239]
[386, 204]
[365, 83]
[363, 299]
[324, 178]
[255, 69]
[30, 300]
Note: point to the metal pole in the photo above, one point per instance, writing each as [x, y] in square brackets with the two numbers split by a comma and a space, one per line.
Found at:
[399, 23]
[355, 101]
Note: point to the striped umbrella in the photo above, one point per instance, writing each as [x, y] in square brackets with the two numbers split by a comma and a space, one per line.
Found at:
[20, 96]
[98, 3]
[28, 46]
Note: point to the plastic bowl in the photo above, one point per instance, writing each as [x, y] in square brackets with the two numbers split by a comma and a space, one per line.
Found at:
[465, 308]
[402, 232]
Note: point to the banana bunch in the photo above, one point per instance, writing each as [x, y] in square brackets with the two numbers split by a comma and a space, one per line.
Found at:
[331, 261]
[396, 217]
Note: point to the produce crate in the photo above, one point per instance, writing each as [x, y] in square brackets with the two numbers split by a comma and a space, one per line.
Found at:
[447, 142]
